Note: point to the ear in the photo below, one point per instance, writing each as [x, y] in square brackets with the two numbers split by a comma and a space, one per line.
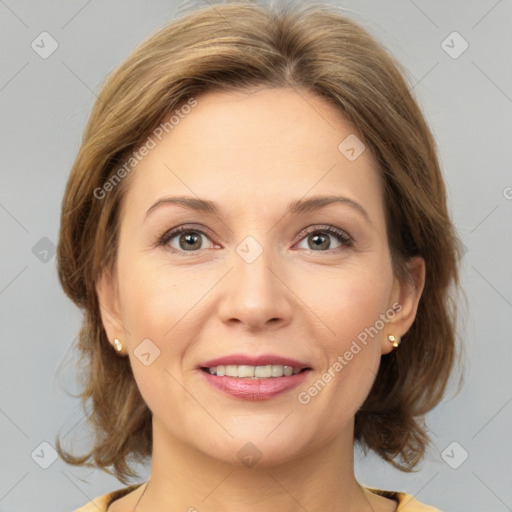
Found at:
[406, 297]
[108, 298]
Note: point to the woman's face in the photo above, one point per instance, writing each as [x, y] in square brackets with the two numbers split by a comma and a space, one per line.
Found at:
[266, 272]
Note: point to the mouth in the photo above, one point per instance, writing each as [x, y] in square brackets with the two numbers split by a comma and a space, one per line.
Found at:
[244, 371]
[245, 377]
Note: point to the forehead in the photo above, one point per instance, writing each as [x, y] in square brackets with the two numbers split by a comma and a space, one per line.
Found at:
[267, 146]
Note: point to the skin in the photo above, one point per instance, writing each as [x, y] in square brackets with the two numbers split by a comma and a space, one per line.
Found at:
[252, 154]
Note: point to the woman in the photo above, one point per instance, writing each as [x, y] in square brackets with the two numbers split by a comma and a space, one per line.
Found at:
[256, 229]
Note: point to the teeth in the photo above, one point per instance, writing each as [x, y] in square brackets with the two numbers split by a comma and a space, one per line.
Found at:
[231, 371]
[277, 370]
[263, 372]
[243, 371]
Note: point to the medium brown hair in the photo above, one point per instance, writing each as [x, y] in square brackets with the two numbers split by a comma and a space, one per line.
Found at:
[238, 46]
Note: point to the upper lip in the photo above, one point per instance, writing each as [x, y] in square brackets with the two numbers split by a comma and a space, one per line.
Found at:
[261, 360]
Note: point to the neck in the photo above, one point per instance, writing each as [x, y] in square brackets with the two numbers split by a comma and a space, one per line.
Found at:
[184, 479]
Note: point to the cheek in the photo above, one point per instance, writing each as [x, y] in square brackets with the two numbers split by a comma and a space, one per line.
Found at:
[154, 313]
[158, 303]
[351, 304]
[350, 301]
[154, 297]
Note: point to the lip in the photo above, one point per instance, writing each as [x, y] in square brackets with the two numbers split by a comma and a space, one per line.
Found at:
[261, 360]
[255, 389]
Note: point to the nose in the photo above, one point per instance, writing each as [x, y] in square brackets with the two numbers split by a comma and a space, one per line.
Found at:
[255, 294]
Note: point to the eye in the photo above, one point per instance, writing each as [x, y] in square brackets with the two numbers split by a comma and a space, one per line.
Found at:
[190, 239]
[320, 238]
[185, 239]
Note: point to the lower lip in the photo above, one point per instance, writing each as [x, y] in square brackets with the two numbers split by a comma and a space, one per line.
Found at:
[255, 389]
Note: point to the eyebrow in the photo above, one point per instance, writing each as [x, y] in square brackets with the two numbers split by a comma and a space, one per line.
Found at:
[295, 207]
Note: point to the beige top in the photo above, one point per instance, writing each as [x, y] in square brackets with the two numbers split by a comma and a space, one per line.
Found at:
[406, 502]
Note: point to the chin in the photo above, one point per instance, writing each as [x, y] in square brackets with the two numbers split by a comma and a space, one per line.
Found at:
[259, 450]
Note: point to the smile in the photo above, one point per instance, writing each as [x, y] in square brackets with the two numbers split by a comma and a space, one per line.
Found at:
[244, 371]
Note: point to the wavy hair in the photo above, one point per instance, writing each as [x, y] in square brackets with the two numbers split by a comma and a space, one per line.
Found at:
[237, 46]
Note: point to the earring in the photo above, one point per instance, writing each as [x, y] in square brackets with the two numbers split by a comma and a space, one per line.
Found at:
[394, 340]
[118, 345]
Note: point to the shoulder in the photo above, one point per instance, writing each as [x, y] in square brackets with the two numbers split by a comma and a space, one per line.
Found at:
[413, 505]
[406, 502]
[101, 503]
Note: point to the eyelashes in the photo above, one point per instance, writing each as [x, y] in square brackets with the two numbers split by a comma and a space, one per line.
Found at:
[193, 236]
[187, 234]
[343, 238]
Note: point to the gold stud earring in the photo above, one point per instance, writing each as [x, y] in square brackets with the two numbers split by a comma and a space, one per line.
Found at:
[394, 340]
[118, 345]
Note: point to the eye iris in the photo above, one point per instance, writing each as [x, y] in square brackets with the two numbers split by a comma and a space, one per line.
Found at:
[190, 238]
[319, 241]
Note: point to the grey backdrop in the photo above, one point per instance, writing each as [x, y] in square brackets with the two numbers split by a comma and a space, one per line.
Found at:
[45, 100]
